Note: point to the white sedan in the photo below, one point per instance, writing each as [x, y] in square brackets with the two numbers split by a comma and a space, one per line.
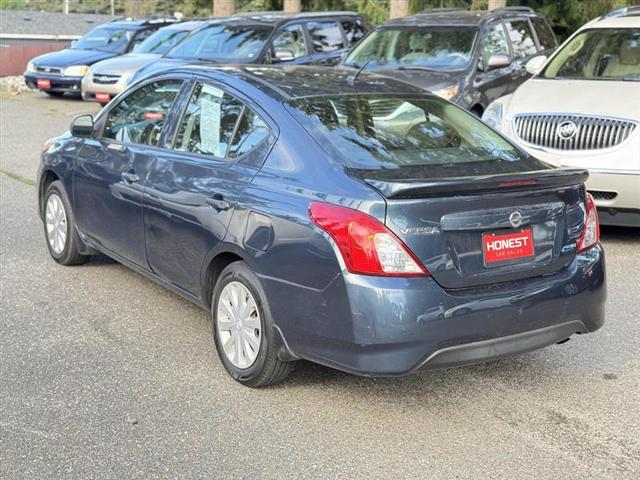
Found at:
[582, 108]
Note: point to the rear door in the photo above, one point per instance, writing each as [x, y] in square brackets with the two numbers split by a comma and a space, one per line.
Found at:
[218, 146]
[111, 170]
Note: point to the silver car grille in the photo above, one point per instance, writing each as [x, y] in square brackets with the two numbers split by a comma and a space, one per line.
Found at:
[378, 108]
[105, 79]
[45, 69]
[571, 131]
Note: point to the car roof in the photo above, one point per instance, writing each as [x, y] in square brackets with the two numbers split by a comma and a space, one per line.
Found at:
[631, 21]
[295, 81]
[182, 26]
[136, 23]
[280, 17]
[457, 17]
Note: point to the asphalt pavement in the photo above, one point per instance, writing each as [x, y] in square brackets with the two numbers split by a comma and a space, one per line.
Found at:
[104, 374]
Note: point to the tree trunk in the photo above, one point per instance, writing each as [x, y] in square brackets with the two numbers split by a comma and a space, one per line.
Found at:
[493, 4]
[292, 6]
[398, 8]
[224, 8]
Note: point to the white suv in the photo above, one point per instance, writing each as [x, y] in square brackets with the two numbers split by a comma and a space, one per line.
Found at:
[582, 108]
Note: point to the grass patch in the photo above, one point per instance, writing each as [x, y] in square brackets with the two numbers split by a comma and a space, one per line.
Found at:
[19, 178]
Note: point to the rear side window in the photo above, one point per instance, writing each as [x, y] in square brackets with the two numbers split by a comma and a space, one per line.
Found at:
[250, 132]
[521, 37]
[546, 37]
[353, 31]
[209, 122]
[139, 117]
[325, 36]
[495, 43]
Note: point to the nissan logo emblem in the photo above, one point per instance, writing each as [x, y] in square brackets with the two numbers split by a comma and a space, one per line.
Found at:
[566, 130]
[515, 219]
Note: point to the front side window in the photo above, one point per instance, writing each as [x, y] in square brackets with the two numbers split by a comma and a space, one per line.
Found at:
[495, 43]
[353, 30]
[546, 38]
[289, 44]
[161, 41]
[105, 39]
[521, 38]
[599, 54]
[140, 116]
[434, 48]
[325, 36]
[223, 43]
[400, 134]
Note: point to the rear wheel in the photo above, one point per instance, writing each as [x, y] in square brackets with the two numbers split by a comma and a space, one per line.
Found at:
[243, 330]
[60, 226]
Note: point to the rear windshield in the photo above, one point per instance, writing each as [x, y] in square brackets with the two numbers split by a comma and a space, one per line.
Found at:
[404, 134]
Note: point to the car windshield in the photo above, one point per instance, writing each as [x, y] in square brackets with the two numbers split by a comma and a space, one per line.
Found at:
[599, 54]
[161, 41]
[434, 48]
[405, 134]
[223, 43]
[105, 39]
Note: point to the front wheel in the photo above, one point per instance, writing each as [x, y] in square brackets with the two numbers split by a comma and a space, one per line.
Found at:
[60, 226]
[243, 330]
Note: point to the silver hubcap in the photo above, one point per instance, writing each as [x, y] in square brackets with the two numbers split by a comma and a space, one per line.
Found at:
[56, 222]
[238, 323]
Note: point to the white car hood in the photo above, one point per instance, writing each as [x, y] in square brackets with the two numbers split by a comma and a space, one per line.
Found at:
[591, 97]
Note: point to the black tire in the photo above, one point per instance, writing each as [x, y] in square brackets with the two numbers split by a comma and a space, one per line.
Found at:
[54, 94]
[267, 368]
[69, 254]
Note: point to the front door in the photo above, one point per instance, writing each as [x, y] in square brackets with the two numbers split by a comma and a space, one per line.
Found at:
[494, 83]
[111, 170]
[193, 188]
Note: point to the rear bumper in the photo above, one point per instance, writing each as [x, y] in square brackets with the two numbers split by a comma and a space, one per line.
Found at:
[59, 83]
[393, 326]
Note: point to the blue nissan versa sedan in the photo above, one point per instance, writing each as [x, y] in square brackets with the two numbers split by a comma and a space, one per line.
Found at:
[350, 220]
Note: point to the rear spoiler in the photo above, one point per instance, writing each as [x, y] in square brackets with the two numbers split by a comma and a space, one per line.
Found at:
[534, 180]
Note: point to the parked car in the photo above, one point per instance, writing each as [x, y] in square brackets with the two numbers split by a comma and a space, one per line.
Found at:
[582, 109]
[468, 57]
[61, 72]
[109, 77]
[271, 37]
[324, 217]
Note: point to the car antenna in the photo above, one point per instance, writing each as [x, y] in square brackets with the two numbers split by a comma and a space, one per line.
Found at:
[353, 79]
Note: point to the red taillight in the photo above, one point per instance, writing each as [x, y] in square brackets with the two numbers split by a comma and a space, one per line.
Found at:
[366, 245]
[591, 231]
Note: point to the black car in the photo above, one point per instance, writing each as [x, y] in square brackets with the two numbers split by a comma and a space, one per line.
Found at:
[269, 37]
[62, 72]
[468, 57]
[359, 223]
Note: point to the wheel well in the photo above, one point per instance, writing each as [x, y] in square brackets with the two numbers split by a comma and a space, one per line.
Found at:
[478, 110]
[47, 179]
[216, 266]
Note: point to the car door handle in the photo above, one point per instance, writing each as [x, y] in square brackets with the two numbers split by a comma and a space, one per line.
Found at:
[130, 177]
[217, 202]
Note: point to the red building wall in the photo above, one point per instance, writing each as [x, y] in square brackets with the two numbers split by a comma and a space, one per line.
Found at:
[14, 58]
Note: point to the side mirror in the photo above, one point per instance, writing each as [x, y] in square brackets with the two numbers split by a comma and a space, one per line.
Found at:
[498, 61]
[73, 42]
[535, 64]
[284, 55]
[82, 126]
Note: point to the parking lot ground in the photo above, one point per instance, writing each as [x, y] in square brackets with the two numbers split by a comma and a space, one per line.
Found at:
[104, 374]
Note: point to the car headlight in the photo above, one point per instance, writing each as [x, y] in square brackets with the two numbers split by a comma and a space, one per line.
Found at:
[448, 92]
[76, 71]
[31, 67]
[492, 116]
